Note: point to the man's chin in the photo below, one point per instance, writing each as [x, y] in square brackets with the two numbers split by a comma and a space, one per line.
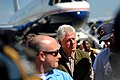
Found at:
[74, 49]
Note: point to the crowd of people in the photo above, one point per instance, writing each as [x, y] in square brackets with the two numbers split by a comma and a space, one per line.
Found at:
[43, 57]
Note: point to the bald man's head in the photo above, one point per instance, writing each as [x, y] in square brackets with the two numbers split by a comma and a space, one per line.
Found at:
[43, 43]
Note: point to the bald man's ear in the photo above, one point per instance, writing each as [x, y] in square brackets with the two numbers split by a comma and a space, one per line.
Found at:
[41, 56]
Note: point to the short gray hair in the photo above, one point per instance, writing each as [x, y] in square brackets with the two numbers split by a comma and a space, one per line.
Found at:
[64, 29]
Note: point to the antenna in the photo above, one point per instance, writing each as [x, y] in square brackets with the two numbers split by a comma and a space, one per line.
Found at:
[16, 5]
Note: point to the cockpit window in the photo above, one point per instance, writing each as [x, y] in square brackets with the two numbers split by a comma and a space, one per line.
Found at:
[65, 1]
[53, 2]
[80, 0]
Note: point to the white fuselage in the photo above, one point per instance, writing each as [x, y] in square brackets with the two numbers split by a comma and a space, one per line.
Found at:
[39, 9]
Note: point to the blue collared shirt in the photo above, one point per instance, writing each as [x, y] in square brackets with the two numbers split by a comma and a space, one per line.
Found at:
[56, 74]
[102, 66]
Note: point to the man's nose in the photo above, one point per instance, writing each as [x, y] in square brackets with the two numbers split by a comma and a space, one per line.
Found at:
[72, 41]
[59, 56]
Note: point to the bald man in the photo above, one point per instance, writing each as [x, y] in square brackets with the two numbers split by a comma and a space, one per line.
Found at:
[47, 57]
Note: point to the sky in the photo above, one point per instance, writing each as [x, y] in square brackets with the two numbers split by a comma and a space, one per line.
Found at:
[7, 9]
[98, 8]
[103, 8]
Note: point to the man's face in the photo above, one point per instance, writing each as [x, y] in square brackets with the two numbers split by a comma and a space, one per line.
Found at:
[87, 46]
[52, 55]
[110, 41]
[101, 33]
[51, 60]
[68, 43]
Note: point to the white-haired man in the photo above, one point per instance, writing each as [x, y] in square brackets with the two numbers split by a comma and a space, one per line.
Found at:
[76, 62]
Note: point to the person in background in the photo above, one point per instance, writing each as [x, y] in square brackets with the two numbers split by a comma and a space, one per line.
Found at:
[15, 62]
[80, 45]
[28, 38]
[101, 63]
[104, 29]
[73, 61]
[91, 51]
[114, 59]
[47, 57]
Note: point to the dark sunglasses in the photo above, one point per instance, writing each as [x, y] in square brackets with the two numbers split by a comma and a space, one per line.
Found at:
[54, 53]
